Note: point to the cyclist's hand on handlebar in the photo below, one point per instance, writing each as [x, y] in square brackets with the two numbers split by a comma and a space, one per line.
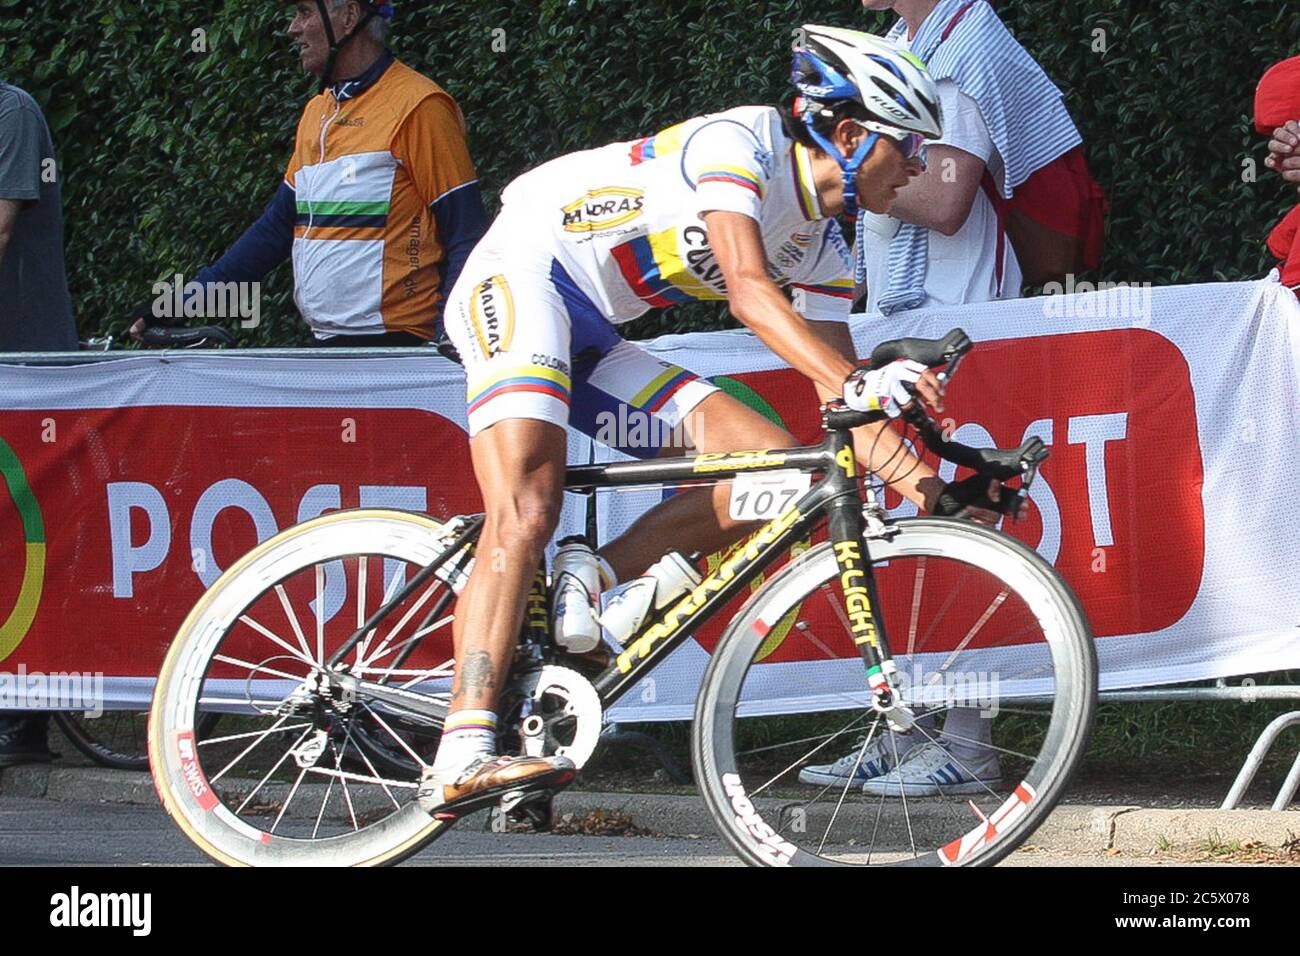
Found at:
[886, 389]
[930, 388]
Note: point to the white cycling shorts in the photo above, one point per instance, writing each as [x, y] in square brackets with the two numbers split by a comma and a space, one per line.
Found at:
[534, 346]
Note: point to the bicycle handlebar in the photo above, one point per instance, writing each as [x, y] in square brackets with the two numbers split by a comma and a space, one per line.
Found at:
[992, 464]
[932, 353]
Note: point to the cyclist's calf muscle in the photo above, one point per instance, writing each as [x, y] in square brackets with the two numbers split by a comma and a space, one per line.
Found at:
[519, 465]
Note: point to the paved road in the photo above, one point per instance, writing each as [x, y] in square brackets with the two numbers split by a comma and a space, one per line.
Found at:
[44, 832]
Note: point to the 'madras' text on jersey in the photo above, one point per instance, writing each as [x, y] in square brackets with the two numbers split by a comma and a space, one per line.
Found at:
[624, 220]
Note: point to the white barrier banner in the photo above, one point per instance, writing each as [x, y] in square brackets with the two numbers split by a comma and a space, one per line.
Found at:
[1167, 503]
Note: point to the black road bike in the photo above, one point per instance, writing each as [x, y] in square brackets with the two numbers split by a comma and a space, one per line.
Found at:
[335, 636]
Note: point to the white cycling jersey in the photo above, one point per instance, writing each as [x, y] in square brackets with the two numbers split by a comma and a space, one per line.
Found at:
[596, 238]
[624, 220]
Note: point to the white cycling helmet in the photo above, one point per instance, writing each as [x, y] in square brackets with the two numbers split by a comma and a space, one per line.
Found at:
[833, 65]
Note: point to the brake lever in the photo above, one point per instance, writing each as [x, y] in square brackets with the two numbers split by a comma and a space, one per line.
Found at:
[1030, 462]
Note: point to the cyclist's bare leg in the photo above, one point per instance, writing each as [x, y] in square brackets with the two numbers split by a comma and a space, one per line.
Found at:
[519, 465]
[697, 520]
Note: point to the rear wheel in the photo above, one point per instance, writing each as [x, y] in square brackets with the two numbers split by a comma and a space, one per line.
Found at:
[989, 643]
[309, 766]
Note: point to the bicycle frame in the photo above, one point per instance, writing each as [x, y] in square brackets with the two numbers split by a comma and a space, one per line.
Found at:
[836, 496]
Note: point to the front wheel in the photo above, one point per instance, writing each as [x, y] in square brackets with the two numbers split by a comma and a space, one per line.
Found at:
[992, 651]
[310, 765]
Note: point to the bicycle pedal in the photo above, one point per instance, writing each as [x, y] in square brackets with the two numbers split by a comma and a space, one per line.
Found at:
[533, 807]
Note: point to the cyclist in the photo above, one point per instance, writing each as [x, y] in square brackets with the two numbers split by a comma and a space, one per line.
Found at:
[731, 206]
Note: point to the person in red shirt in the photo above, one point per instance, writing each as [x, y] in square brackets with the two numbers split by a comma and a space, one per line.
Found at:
[1277, 111]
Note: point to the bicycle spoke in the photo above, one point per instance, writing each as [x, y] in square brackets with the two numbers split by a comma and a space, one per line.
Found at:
[839, 733]
[329, 789]
[241, 702]
[975, 629]
[402, 743]
[320, 612]
[914, 618]
[442, 670]
[345, 775]
[347, 798]
[288, 800]
[269, 773]
[369, 765]
[275, 639]
[293, 622]
[418, 635]
[405, 619]
[259, 668]
[848, 780]
[361, 589]
[988, 745]
[274, 728]
[951, 756]
[252, 733]
[902, 793]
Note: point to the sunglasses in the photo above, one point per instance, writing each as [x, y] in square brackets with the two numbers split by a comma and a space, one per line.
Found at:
[911, 145]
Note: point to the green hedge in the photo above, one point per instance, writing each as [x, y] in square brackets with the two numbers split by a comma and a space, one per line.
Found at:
[168, 154]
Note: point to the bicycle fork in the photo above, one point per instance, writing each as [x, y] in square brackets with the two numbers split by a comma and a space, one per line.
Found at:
[858, 586]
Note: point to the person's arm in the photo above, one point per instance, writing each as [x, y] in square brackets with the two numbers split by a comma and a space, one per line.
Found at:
[941, 198]
[263, 246]
[9, 209]
[759, 304]
[461, 221]
[20, 167]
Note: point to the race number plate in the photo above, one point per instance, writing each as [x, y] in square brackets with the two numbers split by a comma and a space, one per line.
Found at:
[766, 496]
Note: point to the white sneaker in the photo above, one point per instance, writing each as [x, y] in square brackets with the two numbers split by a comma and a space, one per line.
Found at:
[930, 770]
[858, 766]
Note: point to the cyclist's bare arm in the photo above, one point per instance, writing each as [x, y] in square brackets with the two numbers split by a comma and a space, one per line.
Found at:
[822, 354]
[759, 304]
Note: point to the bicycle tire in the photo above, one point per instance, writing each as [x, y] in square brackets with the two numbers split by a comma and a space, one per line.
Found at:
[107, 749]
[764, 832]
[183, 782]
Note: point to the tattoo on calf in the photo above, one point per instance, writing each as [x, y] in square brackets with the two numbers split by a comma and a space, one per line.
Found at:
[474, 677]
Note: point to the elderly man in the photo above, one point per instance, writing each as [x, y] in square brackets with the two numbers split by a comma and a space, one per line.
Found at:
[35, 309]
[380, 205]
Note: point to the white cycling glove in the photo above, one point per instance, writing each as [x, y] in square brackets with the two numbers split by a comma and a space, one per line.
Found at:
[884, 389]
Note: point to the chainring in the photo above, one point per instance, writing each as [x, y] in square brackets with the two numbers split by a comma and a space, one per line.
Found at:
[561, 715]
